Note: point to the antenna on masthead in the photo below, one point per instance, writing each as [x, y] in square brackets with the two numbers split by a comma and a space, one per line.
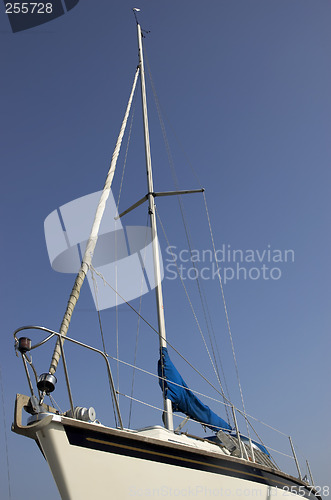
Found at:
[135, 15]
[136, 18]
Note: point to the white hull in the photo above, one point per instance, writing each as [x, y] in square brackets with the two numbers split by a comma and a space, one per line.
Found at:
[90, 461]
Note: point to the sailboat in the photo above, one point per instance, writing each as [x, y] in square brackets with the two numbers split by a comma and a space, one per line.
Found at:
[91, 460]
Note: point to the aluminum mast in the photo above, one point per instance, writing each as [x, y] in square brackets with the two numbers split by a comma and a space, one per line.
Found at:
[168, 417]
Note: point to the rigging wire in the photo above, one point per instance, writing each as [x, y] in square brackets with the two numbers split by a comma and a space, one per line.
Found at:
[202, 423]
[138, 322]
[54, 403]
[143, 370]
[116, 268]
[191, 305]
[188, 240]
[169, 123]
[95, 287]
[199, 287]
[159, 409]
[227, 391]
[117, 205]
[105, 352]
[226, 313]
[116, 320]
[126, 151]
[158, 333]
[135, 356]
[183, 357]
[5, 434]
[203, 300]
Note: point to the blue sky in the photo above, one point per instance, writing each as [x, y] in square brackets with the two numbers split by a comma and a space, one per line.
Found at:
[245, 85]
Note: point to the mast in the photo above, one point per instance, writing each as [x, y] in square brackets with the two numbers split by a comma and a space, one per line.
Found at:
[168, 420]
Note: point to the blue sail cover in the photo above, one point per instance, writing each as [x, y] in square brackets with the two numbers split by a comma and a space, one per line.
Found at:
[184, 400]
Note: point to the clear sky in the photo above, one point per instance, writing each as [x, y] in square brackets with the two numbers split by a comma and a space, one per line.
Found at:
[245, 85]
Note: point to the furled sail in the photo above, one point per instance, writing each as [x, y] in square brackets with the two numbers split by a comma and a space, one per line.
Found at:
[182, 398]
